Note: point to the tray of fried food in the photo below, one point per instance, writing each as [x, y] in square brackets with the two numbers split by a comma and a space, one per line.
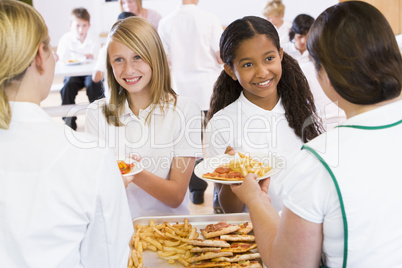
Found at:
[179, 241]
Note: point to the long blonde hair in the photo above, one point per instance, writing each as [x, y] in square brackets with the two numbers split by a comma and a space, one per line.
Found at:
[139, 35]
[22, 30]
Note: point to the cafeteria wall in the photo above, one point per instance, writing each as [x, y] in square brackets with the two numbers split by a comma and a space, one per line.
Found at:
[56, 13]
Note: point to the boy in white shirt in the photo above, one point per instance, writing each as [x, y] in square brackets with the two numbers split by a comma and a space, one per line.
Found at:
[78, 45]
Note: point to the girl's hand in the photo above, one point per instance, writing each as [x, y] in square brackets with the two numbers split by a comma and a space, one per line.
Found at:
[230, 150]
[251, 190]
[136, 157]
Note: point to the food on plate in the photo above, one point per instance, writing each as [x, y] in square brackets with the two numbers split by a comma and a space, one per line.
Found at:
[178, 243]
[240, 247]
[209, 243]
[124, 167]
[218, 229]
[73, 61]
[238, 258]
[245, 228]
[238, 238]
[248, 264]
[237, 169]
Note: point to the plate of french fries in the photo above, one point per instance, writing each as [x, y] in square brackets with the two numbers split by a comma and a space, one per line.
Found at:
[263, 165]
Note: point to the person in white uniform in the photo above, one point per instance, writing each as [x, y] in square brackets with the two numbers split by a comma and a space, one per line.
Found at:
[135, 6]
[190, 37]
[274, 12]
[342, 195]
[298, 37]
[145, 116]
[261, 103]
[51, 215]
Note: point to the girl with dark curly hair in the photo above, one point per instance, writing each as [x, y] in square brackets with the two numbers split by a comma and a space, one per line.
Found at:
[261, 102]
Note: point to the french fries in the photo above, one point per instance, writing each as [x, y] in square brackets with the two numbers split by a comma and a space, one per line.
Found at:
[167, 240]
[246, 165]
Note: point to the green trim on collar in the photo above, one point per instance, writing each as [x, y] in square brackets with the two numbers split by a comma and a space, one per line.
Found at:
[338, 191]
[373, 127]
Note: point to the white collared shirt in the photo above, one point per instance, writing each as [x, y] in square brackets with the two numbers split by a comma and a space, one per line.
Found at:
[290, 49]
[177, 133]
[283, 32]
[60, 205]
[250, 129]
[191, 37]
[69, 47]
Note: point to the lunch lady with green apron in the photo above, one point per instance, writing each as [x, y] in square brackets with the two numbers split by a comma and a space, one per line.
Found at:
[342, 194]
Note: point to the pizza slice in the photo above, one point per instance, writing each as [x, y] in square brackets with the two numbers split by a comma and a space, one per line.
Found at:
[224, 173]
[238, 238]
[245, 228]
[209, 243]
[238, 257]
[205, 249]
[202, 264]
[208, 256]
[240, 247]
[218, 229]
[248, 264]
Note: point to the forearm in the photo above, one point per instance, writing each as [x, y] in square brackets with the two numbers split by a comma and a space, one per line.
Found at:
[170, 192]
[229, 202]
[265, 225]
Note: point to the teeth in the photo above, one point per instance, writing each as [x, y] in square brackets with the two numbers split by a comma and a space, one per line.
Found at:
[132, 80]
[264, 83]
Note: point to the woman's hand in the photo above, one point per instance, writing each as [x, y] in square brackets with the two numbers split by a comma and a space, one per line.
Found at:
[251, 190]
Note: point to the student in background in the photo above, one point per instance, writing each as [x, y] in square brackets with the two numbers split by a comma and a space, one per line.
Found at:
[61, 205]
[260, 104]
[78, 45]
[145, 116]
[298, 38]
[342, 193]
[135, 6]
[190, 37]
[274, 12]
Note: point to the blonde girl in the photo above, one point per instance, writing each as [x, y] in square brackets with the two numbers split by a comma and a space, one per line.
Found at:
[145, 116]
[135, 6]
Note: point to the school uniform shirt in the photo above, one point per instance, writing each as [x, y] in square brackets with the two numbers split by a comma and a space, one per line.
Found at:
[153, 17]
[330, 114]
[290, 49]
[62, 202]
[191, 37]
[283, 32]
[250, 129]
[175, 133]
[364, 156]
[70, 47]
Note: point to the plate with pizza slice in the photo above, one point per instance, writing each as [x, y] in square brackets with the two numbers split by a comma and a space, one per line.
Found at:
[231, 169]
[128, 166]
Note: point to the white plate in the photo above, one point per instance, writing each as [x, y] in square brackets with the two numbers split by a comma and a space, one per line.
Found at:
[137, 166]
[208, 165]
[77, 62]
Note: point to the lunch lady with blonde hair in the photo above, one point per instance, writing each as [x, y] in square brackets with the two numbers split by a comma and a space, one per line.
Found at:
[145, 116]
[342, 195]
[51, 215]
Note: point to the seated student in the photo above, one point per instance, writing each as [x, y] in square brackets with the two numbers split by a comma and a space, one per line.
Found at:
[298, 37]
[78, 44]
[100, 67]
[342, 194]
[274, 12]
[60, 205]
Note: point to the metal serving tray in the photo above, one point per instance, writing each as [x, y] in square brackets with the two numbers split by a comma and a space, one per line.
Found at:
[151, 259]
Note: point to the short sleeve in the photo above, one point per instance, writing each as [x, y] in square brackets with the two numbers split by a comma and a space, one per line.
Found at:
[307, 188]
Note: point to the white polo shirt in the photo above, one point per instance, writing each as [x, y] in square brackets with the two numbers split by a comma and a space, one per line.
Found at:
[177, 133]
[283, 32]
[251, 129]
[69, 45]
[191, 37]
[290, 49]
[60, 205]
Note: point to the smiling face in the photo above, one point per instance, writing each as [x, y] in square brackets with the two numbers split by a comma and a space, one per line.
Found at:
[129, 70]
[257, 66]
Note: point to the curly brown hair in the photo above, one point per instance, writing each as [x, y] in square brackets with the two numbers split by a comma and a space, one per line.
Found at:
[293, 88]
